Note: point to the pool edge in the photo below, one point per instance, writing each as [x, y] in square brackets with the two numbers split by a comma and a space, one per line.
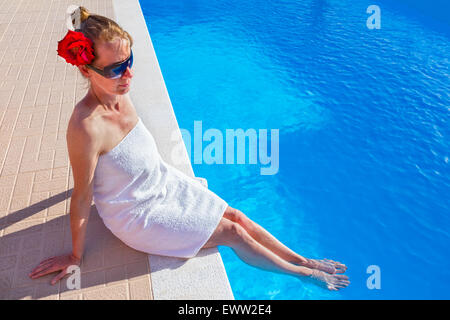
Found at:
[204, 276]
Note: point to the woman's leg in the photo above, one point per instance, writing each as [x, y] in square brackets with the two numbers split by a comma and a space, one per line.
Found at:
[229, 233]
[270, 242]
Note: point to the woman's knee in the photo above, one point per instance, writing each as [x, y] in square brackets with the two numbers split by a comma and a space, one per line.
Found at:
[236, 234]
[237, 216]
[236, 230]
[227, 233]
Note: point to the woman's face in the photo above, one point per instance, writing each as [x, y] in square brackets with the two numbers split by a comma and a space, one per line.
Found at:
[108, 53]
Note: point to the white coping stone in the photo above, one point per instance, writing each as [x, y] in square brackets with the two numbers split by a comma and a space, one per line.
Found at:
[204, 276]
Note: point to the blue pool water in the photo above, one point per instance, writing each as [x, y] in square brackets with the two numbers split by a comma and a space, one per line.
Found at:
[363, 119]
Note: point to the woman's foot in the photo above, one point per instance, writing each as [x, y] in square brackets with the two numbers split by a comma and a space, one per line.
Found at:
[330, 281]
[326, 265]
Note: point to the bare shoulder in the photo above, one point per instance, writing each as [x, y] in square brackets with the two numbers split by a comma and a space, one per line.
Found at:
[84, 141]
[83, 130]
[93, 128]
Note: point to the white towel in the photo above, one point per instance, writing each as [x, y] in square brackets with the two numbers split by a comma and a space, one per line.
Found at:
[150, 205]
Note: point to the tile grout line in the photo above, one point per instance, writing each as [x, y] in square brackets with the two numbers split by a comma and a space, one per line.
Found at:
[12, 91]
[15, 123]
[48, 102]
[26, 138]
[34, 174]
[11, 136]
[46, 219]
[9, 23]
[37, 170]
[39, 86]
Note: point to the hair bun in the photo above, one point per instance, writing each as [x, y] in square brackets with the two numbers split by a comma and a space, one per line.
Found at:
[84, 14]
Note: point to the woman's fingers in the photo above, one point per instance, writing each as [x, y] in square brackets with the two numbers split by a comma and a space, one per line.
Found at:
[46, 261]
[58, 277]
[42, 264]
[45, 270]
[41, 267]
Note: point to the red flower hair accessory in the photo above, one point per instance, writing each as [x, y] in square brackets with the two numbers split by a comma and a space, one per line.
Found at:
[76, 49]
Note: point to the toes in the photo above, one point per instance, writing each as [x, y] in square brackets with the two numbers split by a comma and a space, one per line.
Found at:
[341, 283]
[341, 266]
[326, 266]
[340, 286]
[344, 283]
[328, 269]
[340, 269]
[332, 288]
[329, 266]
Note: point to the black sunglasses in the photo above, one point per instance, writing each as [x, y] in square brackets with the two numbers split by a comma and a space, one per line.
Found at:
[115, 70]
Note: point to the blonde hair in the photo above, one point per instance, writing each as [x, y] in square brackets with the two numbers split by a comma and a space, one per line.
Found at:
[100, 28]
[97, 27]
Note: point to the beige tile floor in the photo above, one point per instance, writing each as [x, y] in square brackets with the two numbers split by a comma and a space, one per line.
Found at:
[37, 93]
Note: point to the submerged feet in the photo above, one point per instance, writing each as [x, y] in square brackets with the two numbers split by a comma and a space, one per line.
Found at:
[326, 265]
[328, 273]
[331, 281]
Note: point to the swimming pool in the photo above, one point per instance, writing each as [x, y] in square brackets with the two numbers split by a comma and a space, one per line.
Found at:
[363, 125]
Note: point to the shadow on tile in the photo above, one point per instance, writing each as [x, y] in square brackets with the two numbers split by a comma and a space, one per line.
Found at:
[108, 264]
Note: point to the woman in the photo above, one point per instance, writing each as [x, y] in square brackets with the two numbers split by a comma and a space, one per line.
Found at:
[148, 204]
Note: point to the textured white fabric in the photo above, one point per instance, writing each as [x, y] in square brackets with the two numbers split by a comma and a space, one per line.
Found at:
[150, 205]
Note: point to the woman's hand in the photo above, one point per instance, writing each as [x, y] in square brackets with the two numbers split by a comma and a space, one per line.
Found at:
[53, 264]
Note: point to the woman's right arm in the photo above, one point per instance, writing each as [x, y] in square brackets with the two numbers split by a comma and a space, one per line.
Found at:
[84, 147]
[80, 206]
